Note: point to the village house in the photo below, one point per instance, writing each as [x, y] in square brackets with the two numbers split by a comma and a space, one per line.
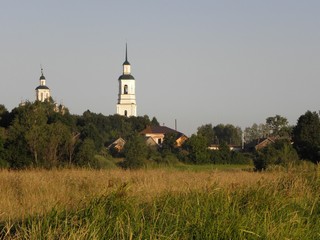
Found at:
[155, 135]
[258, 144]
[117, 145]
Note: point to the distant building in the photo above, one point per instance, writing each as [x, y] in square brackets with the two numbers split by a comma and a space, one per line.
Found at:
[42, 91]
[43, 94]
[156, 135]
[232, 147]
[259, 143]
[117, 145]
[127, 97]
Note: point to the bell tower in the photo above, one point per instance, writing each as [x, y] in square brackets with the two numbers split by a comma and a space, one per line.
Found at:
[127, 93]
[42, 91]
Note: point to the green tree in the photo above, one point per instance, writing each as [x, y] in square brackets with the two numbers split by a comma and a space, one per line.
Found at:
[278, 126]
[36, 140]
[85, 154]
[135, 152]
[23, 134]
[154, 122]
[139, 123]
[3, 162]
[197, 147]
[223, 154]
[169, 142]
[306, 136]
[254, 132]
[207, 132]
[228, 134]
[4, 116]
[280, 153]
[58, 136]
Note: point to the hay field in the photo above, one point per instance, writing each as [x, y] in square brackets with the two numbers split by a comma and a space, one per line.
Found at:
[160, 204]
[37, 191]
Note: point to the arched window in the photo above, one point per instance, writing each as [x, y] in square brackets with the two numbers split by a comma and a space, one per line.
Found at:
[126, 113]
[125, 89]
[41, 98]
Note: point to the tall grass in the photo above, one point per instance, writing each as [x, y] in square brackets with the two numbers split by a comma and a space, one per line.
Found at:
[160, 204]
[31, 192]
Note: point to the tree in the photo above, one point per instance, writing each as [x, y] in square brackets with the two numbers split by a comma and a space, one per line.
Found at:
[85, 153]
[154, 122]
[36, 140]
[23, 134]
[139, 123]
[207, 132]
[196, 145]
[135, 152]
[169, 142]
[71, 146]
[4, 116]
[278, 126]
[223, 155]
[254, 132]
[280, 153]
[58, 136]
[228, 134]
[306, 136]
[3, 162]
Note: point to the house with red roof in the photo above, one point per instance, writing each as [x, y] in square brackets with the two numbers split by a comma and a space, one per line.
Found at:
[156, 135]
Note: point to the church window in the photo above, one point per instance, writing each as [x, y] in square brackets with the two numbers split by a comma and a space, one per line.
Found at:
[125, 89]
[126, 113]
[41, 98]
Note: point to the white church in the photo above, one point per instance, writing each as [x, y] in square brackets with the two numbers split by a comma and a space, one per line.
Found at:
[42, 91]
[127, 91]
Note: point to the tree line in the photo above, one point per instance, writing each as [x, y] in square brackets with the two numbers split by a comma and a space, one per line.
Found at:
[42, 134]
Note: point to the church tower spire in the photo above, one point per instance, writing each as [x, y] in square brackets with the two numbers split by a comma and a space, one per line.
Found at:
[126, 64]
[127, 97]
[42, 91]
[126, 52]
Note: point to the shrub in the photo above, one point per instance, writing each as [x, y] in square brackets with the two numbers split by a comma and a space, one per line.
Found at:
[280, 153]
[135, 151]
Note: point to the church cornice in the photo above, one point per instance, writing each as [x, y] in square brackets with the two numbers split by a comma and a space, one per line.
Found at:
[42, 87]
[126, 77]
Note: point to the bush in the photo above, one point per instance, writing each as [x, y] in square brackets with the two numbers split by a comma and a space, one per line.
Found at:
[240, 158]
[135, 151]
[280, 153]
[86, 153]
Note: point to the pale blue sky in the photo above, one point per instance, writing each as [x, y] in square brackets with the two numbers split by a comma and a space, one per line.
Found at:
[199, 62]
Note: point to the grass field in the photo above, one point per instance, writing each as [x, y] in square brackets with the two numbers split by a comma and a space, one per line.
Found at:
[193, 203]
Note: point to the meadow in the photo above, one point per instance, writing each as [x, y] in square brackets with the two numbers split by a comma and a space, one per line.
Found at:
[165, 203]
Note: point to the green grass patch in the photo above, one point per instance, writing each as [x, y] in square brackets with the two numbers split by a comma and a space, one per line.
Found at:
[104, 162]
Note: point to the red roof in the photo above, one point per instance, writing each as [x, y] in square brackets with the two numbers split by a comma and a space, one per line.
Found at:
[158, 130]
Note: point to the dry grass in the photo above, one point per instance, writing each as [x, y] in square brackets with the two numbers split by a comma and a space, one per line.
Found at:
[38, 191]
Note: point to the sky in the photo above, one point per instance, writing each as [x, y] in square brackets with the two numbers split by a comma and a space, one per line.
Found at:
[199, 62]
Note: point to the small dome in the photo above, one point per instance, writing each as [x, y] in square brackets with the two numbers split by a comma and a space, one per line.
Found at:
[42, 77]
[42, 87]
[126, 76]
[126, 63]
